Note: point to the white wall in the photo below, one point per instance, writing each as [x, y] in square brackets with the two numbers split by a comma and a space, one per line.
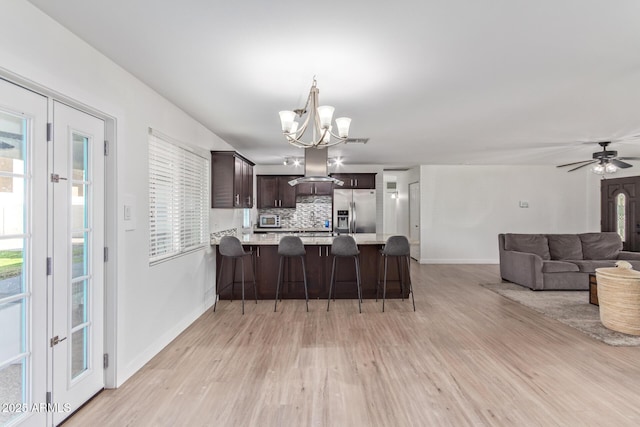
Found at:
[464, 208]
[154, 304]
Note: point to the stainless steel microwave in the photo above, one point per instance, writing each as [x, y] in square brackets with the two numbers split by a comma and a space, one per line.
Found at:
[269, 221]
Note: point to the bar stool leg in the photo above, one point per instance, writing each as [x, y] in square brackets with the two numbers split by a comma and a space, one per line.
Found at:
[378, 282]
[304, 276]
[242, 275]
[255, 288]
[410, 284]
[333, 267]
[275, 307]
[234, 266]
[357, 262]
[384, 289]
[218, 284]
[400, 268]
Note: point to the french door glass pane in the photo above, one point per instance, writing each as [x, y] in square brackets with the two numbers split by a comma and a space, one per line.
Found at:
[13, 338]
[79, 254]
[12, 387]
[78, 352]
[79, 303]
[12, 256]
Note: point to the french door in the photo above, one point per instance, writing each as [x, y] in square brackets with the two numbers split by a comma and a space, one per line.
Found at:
[23, 251]
[51, 258]
[77, 186]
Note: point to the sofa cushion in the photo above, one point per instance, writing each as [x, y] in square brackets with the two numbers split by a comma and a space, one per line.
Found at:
[589, 266]
[598, 246]
[558, 267]
[565, 246]
[530, 243]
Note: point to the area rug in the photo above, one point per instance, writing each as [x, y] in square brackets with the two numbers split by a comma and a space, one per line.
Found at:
[569, 307]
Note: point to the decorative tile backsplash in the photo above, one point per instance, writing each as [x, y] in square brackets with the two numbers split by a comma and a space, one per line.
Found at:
[310, 212]
[230, 232]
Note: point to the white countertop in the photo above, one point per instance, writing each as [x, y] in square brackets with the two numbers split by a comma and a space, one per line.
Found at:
[291, 230]
[274, 239]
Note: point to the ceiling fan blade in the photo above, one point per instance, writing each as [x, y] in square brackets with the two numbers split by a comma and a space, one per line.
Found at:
[628, 158]
[620, 164]
[574, 163]
[586, 164]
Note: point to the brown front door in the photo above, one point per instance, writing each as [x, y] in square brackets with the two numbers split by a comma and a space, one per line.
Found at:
[619, 209]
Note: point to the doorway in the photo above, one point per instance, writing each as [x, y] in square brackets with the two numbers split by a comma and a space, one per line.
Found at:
[52, 222]
[619, 209]
[414, 219]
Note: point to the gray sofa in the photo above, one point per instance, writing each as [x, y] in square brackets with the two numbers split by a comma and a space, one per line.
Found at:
[559, 261]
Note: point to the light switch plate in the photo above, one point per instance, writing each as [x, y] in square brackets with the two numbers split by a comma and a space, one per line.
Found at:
[129, 212]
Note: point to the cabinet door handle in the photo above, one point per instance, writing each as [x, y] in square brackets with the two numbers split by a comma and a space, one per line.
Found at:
[237, 199]
[319, 250]
[356, 182]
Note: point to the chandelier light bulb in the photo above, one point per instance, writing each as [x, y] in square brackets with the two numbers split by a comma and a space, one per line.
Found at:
[343, 124]
[296, 162]
[287, 120]
[610, 168]
[294, 128]
[325, 112]
[338, 161]
[598, 169]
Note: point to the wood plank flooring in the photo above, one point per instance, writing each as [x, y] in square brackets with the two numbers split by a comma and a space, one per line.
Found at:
[467, 357]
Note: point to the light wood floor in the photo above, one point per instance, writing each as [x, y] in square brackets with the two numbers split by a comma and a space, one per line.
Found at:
[467, 357]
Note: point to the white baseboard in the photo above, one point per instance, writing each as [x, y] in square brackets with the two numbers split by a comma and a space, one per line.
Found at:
[458, 261]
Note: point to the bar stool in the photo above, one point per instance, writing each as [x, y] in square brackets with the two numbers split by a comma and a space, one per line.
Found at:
[230, 247]
[396, 246]
[345, 246]
[291, 246]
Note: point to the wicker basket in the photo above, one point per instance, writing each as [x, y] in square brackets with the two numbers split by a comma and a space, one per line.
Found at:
[619, 298]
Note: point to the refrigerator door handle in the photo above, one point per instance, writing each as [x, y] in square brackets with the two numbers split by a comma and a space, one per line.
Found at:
[355, 217]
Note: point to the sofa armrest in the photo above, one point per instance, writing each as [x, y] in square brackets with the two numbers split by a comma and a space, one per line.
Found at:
[522, 268]
[628, 255]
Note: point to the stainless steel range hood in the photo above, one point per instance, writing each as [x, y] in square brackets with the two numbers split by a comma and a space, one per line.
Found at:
[315, 167]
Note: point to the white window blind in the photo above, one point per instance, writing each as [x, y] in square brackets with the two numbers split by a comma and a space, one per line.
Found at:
[178, 198]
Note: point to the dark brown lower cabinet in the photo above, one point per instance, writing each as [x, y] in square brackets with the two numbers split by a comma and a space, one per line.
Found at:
[318, 263]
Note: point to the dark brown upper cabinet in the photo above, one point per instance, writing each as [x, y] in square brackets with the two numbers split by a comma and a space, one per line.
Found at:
[274, 191]
[356, 180]
[231, 180]
[315, 189]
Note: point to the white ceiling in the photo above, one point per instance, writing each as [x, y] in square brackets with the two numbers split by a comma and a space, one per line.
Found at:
[428, 81]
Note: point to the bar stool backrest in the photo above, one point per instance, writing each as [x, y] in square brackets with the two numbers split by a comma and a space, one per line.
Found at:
[231, 246]
[291, 246]
[396, 246]
[344, 246]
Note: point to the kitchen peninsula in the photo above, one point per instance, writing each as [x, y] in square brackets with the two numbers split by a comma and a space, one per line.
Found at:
[318, 263]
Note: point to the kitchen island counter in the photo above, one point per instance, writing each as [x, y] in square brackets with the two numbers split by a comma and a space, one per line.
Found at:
[318, 263]
[253, 239]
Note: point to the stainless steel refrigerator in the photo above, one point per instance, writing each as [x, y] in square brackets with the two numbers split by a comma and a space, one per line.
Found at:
[354, 211]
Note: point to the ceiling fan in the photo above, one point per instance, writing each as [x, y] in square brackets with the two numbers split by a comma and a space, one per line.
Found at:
[605, 161]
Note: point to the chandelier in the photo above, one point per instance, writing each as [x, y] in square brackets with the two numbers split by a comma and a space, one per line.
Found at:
[319, 119]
